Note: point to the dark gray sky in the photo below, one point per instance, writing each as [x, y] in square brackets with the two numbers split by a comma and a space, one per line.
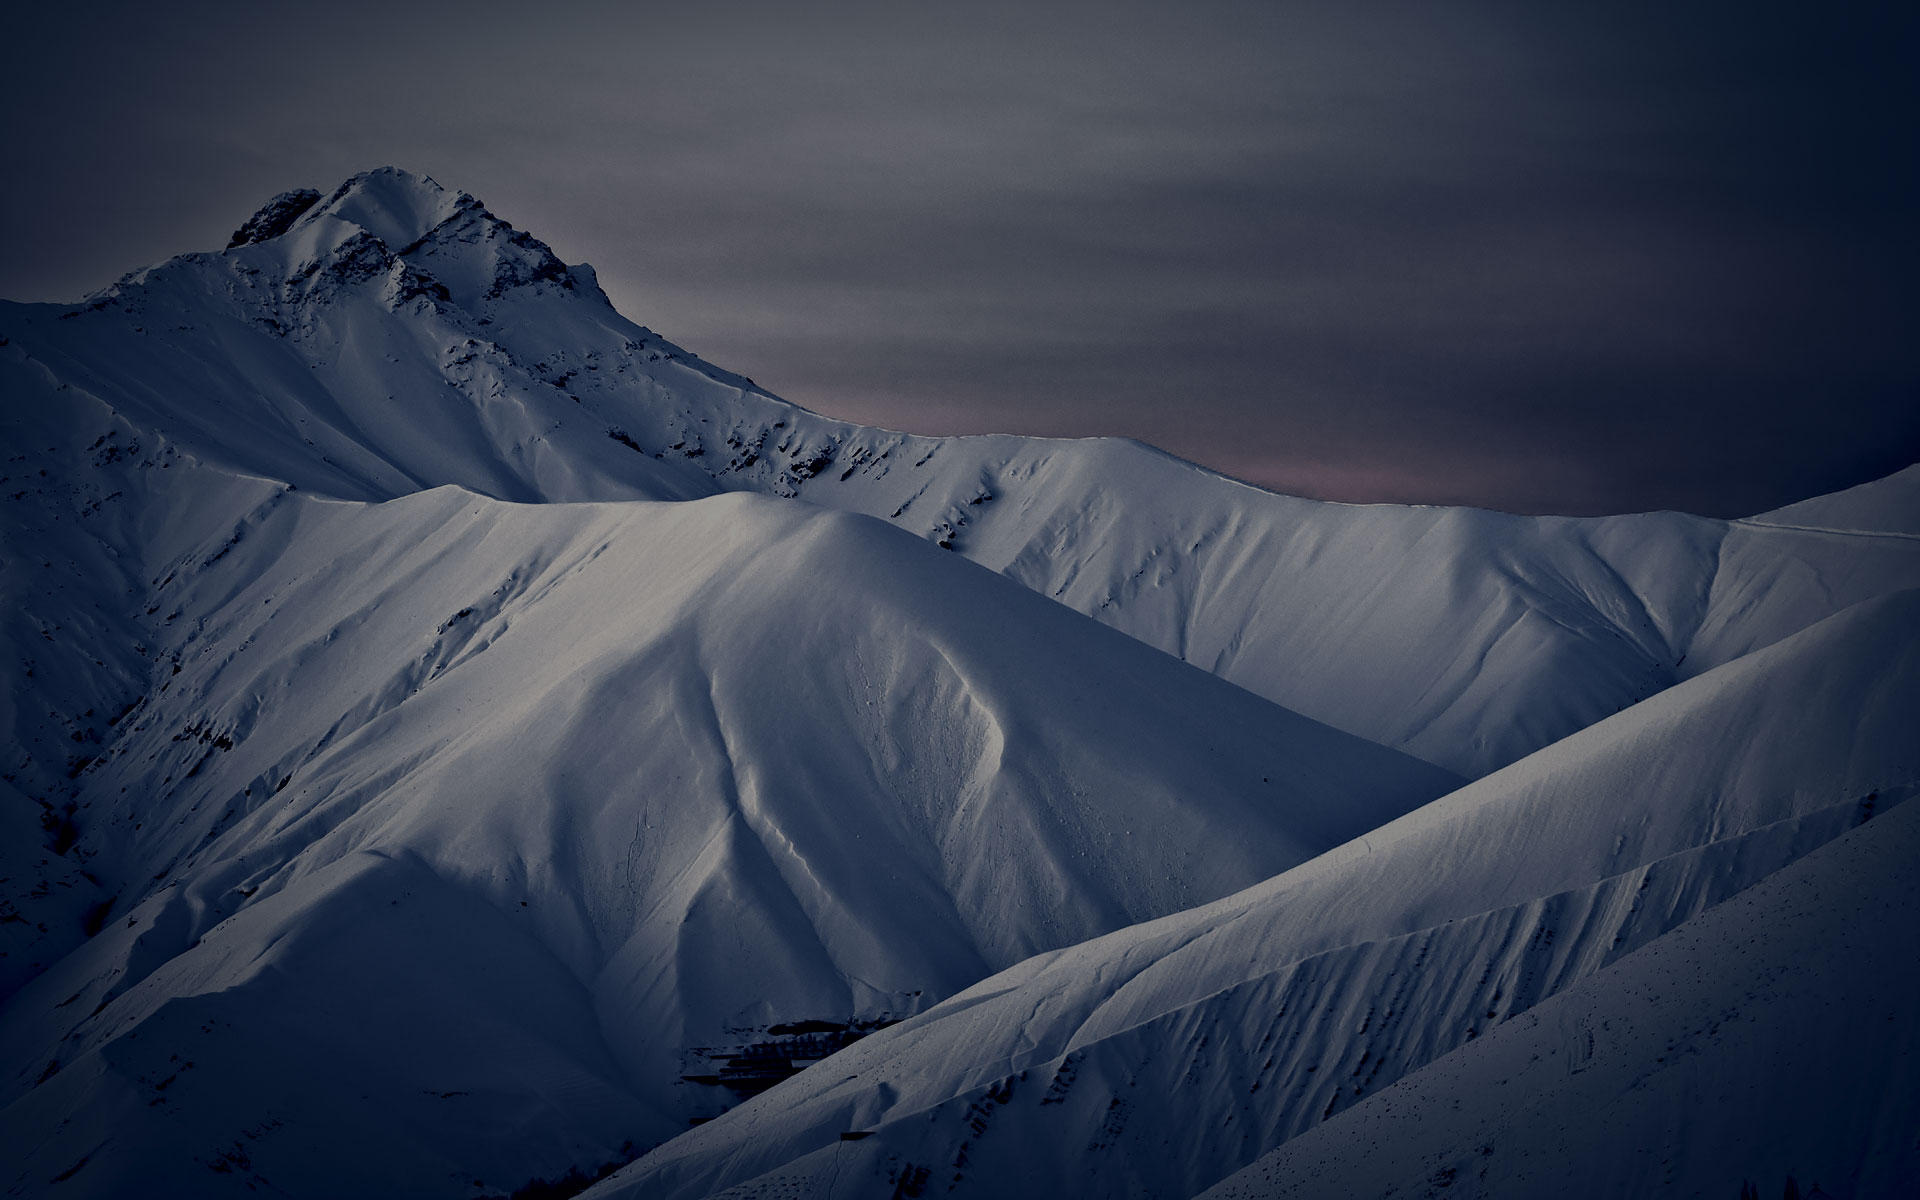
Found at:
[1543, 257]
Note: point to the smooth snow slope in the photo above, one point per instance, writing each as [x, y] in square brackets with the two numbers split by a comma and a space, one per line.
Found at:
[1889, 506]
[1157, 1060]
[447, 828]
[1682, 1070]
[396, 336]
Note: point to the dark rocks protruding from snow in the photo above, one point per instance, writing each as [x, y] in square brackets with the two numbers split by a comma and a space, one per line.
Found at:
[275, 218]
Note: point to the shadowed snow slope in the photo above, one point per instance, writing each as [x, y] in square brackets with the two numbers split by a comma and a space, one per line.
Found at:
[397, 336]
[1159, 1059]
[1682, 1070]
[449, 828]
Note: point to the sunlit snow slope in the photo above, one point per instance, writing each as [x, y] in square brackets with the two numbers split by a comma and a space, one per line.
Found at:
[395, 335]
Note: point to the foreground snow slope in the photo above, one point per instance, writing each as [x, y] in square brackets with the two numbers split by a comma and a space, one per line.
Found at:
[448, 829]
[1159, 1059]
[1773, 1037]
[396, 336]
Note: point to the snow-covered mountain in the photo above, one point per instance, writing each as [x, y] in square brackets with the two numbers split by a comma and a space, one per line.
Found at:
[1158, 1059]
[655, 775]
[396, 336]
[460, 736]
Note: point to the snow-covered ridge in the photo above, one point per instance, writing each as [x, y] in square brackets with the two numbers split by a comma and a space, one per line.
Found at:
[1158, 1059]
[1791, 1061]
[397, 336]
[553, 799]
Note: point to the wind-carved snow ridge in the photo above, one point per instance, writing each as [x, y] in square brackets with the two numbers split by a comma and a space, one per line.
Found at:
[1790, 1060]
[453, 722]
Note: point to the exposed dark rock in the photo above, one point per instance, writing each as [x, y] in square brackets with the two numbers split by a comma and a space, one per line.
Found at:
[275, 218]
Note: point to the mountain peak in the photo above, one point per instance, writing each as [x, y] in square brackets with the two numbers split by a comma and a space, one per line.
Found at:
[464, 252]
[397, 206]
